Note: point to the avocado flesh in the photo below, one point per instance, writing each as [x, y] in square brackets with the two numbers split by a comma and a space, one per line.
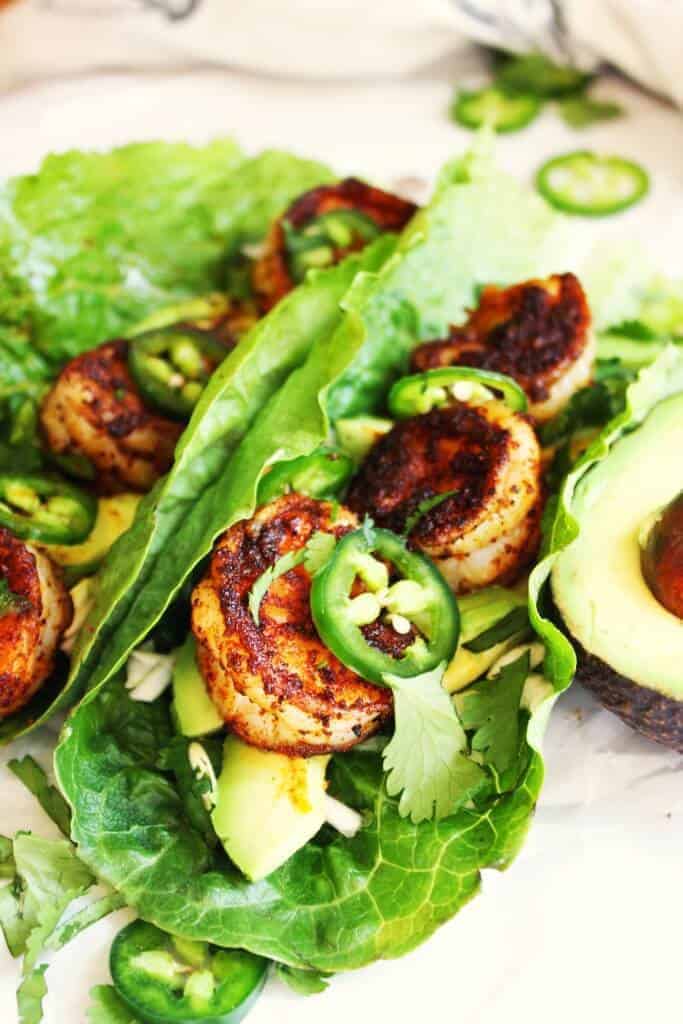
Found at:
[114, 517]
[626, 638]
[267, 805]
[194, 711]
[357, 435]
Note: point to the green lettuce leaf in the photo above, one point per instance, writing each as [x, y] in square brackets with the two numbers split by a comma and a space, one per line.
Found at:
[214, 477]
[304, 983]
[662, 378]
[93, 242]
[336, 904]
[30, 995]
[107, 1007]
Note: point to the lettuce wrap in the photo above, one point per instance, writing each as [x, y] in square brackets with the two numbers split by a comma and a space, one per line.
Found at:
[338, 903]
[91, 245]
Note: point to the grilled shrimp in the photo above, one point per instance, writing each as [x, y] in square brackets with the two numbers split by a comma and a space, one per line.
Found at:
[538, 332]
[273, 274]
[485, 460]
[94, 410]
[36, 610]
[276, 684]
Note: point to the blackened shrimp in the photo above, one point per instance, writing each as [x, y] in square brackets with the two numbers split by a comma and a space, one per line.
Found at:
[308, 234]
[36, 609]
[275, 683]
[94, 410]
[485, 462]
[538, 333]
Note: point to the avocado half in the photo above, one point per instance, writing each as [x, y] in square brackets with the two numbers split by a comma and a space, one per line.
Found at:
[629, 646]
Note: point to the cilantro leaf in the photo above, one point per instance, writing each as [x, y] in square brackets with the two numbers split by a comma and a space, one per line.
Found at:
[426, 758]
[50, 799]
[537, 74]
[7, 866]
[491, 709]
[314, 556]
[318, 551]
[581, 111]
[263, 584]
[304, 983]
[424, 507]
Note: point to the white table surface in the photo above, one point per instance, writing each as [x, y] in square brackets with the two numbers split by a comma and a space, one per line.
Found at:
[585, 926]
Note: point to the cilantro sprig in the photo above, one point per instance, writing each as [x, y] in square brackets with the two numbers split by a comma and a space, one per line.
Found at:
[314, 555]
[426, 759]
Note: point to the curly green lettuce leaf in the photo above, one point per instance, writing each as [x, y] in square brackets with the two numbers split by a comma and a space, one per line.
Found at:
[337, 904]
[664, 377]
[93, 242]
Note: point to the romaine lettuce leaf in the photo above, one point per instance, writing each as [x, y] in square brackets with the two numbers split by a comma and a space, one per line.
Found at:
[336, 904]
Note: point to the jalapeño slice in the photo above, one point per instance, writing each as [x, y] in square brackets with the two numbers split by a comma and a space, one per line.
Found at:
[172, 365]
[403, 584]
[44, 508]
[169, 980]
[495, 108]
[590, 185]
[320, 242]
[422, 392]
[321, 475]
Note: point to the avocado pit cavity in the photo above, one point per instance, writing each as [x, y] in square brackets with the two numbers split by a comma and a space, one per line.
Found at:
[662, 556]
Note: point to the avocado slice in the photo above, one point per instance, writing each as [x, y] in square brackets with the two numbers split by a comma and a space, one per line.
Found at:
[194, 711]
[267, 805]
[114, 517]
[357, 434]
[629, 647]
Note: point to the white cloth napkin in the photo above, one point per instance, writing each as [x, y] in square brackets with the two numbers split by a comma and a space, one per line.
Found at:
[336, 38]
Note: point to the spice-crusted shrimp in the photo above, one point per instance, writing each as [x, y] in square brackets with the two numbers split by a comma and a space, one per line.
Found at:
[275, 683]
[95, 410]
[37, 611]
[485, 460]
[273, 274]
[538, 333]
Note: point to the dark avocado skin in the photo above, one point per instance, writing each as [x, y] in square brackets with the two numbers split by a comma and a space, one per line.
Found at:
[658, 717]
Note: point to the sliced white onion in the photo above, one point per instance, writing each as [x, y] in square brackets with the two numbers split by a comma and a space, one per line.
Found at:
[148, 674]
[343, 818]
